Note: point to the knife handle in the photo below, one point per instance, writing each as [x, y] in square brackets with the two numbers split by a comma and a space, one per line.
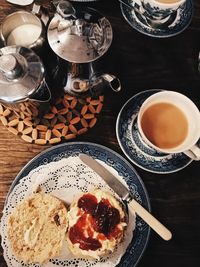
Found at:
[158, 227]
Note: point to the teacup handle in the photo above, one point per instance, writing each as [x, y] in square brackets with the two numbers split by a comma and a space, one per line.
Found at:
[193, 152]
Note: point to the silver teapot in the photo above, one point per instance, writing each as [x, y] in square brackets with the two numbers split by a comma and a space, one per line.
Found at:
[22, 79]
[80, 37]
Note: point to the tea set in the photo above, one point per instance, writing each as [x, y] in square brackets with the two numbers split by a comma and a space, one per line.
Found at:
[75, 39]
[74, 42]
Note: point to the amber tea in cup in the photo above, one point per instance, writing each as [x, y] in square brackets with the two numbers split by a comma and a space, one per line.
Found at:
[165, 125]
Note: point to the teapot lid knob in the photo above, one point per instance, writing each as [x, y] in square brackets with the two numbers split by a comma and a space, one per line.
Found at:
[9, 66]
[7, 63]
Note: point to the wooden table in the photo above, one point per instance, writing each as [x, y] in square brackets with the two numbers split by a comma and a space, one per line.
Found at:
[142, 63]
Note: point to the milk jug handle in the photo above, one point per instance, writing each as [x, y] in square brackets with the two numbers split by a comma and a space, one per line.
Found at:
[42, 12]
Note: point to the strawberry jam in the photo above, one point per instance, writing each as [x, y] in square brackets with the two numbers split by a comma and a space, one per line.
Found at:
[105, 218]
[88, 203]
[76, 235]
[100, 217]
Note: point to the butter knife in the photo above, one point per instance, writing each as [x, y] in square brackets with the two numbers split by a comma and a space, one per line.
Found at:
[125, 195]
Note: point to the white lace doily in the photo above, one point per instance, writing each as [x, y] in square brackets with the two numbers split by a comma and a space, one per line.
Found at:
[65, 179]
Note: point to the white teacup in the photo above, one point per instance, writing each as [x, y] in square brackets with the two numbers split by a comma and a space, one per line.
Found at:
[170, 123]
[158, 9]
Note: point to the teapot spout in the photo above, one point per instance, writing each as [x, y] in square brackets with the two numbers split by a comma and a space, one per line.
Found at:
[113, 82]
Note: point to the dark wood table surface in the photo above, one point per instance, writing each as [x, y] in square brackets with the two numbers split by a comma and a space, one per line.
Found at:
[141, 63]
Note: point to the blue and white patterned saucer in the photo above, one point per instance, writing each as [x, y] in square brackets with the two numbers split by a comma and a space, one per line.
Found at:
[179, 22]
[133, 146]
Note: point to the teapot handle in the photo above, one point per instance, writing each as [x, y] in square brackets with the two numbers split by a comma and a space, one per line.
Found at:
[113, 82]
[43, 94]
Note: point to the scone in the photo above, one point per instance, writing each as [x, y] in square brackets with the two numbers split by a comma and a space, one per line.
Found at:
[37, 228]
[96, 224]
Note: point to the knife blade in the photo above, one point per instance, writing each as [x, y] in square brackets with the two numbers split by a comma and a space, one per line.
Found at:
[125, 195]
[107, 176]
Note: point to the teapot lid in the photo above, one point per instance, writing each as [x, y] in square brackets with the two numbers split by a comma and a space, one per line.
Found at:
[81, 37]
[21, 73]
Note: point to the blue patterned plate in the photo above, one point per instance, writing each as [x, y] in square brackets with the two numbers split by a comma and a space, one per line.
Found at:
[139, 242]
[180, 21]
[133, 146]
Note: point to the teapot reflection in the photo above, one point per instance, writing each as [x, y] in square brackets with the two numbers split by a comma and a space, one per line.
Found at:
[82, 80]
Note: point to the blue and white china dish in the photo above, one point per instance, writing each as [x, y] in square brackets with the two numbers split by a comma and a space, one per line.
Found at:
[156, 9]
[174, 24]
[135, 148]
[124, 169]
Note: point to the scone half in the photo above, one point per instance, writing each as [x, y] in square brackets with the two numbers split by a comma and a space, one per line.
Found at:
[37, 227]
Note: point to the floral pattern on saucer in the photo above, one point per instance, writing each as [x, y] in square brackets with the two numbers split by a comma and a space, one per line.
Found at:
[133, 146]
[180, 21]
